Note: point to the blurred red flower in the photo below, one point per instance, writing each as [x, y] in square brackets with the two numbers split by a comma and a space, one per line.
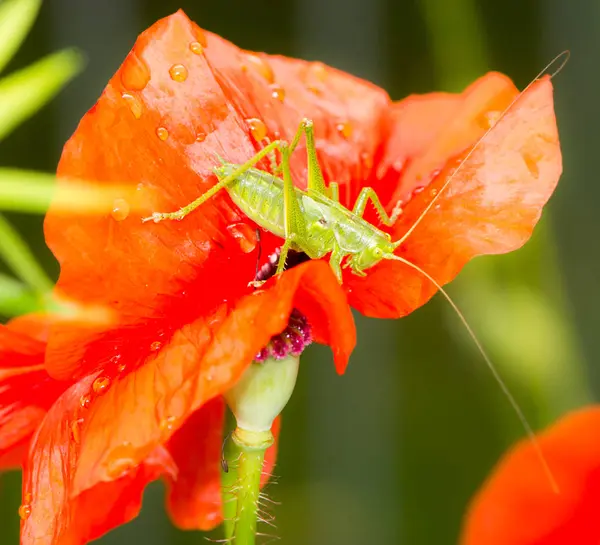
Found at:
[517, 505]
[163, 320]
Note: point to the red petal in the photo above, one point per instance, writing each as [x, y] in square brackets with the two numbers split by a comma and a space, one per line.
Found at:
[517, 505]
[26, 391]
[194, 499]
[493, 202]
[136, 412]
[123, 271]
[60, 516]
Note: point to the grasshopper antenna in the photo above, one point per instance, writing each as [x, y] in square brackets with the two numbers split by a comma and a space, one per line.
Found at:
[492, 367]
[562, 59]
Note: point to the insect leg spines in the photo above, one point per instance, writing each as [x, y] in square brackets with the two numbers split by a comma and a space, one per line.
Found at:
[185, 210]
[294, 223]
[368, 193]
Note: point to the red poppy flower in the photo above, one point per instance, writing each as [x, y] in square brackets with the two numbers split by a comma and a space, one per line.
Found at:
[164, 321]
[517, 505]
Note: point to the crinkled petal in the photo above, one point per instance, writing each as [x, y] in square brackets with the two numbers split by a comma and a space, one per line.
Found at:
[26, 390]
[103, 428]
[159, 135]
[492, 203]
[517, 505]
[60, 516]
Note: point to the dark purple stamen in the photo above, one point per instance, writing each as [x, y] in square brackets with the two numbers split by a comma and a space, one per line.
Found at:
[291, 341]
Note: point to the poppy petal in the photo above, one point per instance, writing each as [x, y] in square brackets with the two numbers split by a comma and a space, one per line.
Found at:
[491, 205]
[26, 391]
[194, 498]
[56, 514]
[105, 426]
[181, 99]
[517, 505]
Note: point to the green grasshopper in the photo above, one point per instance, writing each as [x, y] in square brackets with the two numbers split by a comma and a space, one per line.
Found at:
[313, 222]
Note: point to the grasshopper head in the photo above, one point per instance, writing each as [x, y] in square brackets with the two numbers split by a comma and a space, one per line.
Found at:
[380, 248]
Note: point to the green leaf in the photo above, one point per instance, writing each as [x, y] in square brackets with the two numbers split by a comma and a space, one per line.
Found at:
[26, 191]
[21, 260]
[16, 18]
[15, 298]
[26, 91]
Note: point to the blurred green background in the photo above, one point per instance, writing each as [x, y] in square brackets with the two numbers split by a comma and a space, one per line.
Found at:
[392, 451]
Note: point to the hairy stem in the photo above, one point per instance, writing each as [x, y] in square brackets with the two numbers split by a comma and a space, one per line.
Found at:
[249, 469]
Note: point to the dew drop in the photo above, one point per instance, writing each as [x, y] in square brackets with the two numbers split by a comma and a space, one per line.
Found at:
[162, 133]
[25, 511]
[121, 367]
[418, 190]
[196, 48]
[134, 104]
[489, 119]
[258, 129]
[244, 235]
[398, 165]
[135, 73]
[345, 129]
[319, 70]
[261, 66]
[101, 385]
[156, 346]
[278, 92]
[85, 401]
[434, 192]
[120, 209]
[178, 72]
[200, 137]
[167, 424]
[118, 467]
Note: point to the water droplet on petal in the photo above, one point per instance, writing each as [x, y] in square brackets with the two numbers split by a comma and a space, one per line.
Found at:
[25, 511]
[118, 467]
[135, 73]
[434, 192]
[244, 235]
[162, 133]
[101, 385]
[319, 70]
[178, 72]
[167, 424]
[261, 66]
[85, 401]
[278, 92]
[134, 104]
[156, 346]
[258, 129]
[417, 190]
[398, 165]
[196, 48]
[345, 129]
[120, 209]
[121, 367]
[489, 119]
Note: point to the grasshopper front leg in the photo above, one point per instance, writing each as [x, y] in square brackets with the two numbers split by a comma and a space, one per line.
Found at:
[185, 210]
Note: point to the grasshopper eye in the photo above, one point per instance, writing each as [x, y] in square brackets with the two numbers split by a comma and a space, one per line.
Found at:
[377, 253]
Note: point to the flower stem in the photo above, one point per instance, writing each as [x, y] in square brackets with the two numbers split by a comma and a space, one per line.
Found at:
[249, 469]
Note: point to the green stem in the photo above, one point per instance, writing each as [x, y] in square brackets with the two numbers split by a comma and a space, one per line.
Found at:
[249, 469]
